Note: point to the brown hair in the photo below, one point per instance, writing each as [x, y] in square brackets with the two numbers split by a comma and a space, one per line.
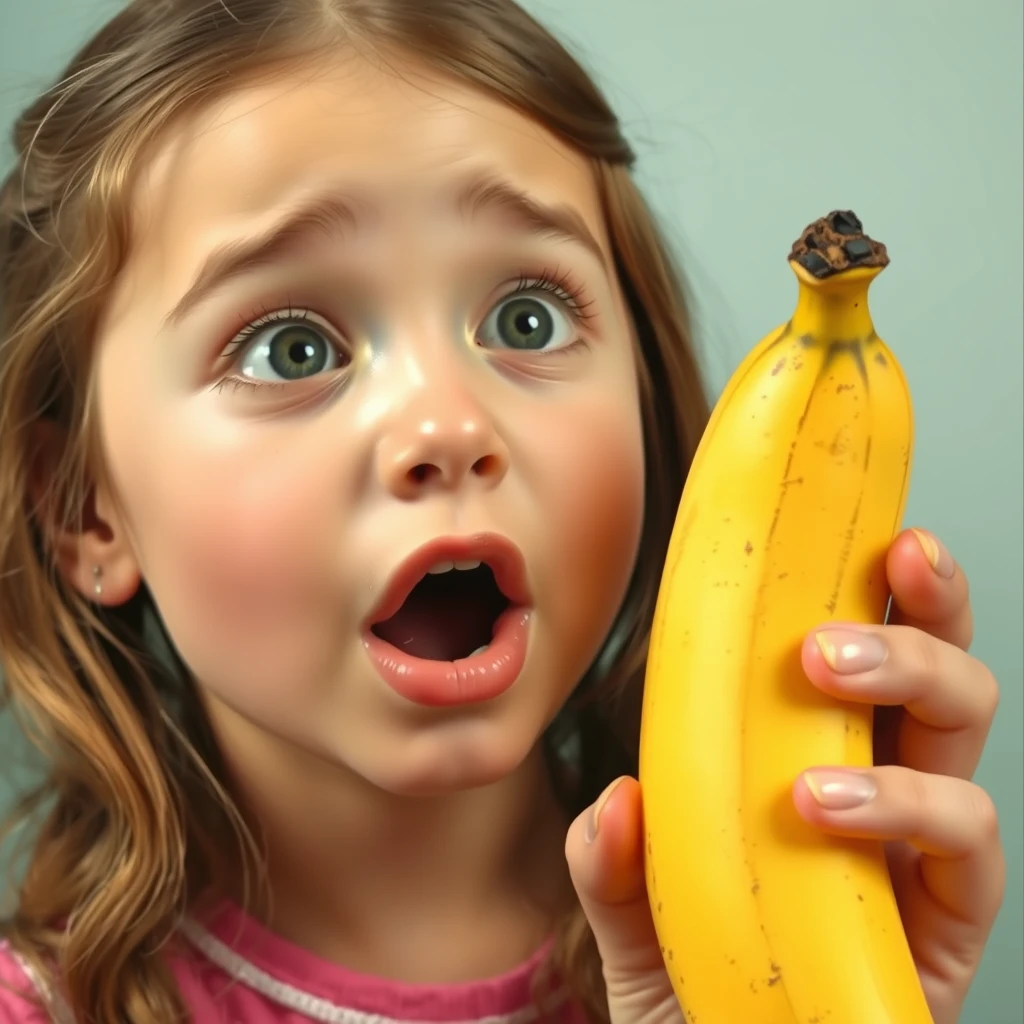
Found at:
[133, 821]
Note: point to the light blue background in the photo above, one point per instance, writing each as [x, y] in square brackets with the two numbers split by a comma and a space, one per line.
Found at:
[752, 118]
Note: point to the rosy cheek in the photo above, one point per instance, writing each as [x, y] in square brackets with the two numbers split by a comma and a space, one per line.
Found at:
[233, 541]
[594, 515]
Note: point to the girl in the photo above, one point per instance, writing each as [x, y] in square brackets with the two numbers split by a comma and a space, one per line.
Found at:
[347, 396]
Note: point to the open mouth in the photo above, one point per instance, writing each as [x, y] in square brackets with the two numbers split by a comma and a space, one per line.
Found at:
[449, 614]
[453, 624]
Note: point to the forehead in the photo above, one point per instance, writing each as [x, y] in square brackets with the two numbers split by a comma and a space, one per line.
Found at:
[402, 139]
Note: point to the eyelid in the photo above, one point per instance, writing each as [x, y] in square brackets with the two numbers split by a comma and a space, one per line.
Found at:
[267, 317]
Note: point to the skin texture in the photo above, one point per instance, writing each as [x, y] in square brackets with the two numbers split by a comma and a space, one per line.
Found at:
[267, 521]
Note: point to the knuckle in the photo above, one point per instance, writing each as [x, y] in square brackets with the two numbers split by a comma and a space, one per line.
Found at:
[925, 652]
[917, 791]
[985, 812]
[987, 692]
[919, 802]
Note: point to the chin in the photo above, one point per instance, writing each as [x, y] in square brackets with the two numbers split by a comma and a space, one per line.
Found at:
[451, 757]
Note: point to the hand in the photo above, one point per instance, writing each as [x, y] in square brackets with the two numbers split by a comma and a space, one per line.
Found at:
[936, 705]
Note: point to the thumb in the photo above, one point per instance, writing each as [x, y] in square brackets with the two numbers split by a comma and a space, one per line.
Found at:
[604, 849]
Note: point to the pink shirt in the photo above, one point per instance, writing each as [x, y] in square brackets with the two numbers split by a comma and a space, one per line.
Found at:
[237, 972]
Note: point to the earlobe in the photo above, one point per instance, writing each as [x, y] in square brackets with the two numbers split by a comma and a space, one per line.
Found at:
[91, 549]
[108, 578]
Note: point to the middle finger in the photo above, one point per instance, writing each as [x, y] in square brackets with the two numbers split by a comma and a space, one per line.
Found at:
[950, 697]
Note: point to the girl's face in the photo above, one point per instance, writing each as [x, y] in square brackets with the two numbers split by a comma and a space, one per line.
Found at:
[370, 327]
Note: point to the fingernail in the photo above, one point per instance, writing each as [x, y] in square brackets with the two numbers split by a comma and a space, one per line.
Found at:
[594, 820]
[935, 551]
[839, 790]
[848, 651]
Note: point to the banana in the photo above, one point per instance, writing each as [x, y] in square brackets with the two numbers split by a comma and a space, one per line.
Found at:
[795, 493]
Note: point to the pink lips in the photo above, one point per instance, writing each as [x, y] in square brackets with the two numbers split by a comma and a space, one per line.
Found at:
[479, 677]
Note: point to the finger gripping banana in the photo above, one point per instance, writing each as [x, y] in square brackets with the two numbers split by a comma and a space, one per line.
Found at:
[795, 493]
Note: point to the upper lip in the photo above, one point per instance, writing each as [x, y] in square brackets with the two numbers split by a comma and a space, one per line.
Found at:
[499, 553]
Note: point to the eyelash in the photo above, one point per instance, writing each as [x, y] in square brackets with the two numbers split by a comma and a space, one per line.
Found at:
[559, 283]
[257, 321]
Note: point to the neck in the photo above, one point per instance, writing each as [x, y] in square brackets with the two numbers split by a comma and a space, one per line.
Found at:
[372, 880]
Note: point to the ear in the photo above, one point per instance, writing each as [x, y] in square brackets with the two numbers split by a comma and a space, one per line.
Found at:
[93, 554]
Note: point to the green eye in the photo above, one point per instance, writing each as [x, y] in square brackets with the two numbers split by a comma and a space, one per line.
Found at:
[288, 352]
[527, 323]
[298, 352]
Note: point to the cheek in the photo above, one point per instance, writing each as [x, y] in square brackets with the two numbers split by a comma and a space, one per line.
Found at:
[230, 532]
[593, 519]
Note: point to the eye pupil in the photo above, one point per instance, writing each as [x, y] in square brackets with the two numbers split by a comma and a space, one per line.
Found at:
[298, 352]
[526, 323]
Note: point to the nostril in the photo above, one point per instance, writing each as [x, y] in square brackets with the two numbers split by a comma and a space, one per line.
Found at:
[488, 465]
[423, 472]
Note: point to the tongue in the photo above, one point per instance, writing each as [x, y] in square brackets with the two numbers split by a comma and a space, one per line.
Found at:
[447, 616]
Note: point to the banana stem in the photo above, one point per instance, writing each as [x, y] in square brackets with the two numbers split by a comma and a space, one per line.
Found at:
[834, 309]
[835, 263]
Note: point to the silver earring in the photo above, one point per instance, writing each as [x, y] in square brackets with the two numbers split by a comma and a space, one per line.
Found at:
[97, 580]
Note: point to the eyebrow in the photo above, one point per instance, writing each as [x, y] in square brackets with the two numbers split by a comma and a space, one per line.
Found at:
[332, 215]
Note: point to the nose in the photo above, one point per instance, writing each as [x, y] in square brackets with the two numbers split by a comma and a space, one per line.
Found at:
[442, 439]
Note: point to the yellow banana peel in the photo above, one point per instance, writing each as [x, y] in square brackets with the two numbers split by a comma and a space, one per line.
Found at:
[795, 494]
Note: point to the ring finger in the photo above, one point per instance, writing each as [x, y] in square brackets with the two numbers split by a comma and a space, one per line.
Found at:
[953, 823]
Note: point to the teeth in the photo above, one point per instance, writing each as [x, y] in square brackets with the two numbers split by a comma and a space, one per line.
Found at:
[442, 567]
[479, 650]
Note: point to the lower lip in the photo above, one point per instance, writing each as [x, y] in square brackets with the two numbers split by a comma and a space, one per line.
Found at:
[439, 684]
